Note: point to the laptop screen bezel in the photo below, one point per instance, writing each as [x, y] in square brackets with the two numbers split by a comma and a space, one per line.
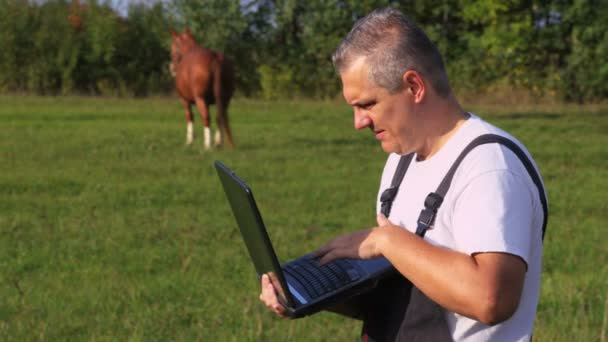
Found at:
[278, 279]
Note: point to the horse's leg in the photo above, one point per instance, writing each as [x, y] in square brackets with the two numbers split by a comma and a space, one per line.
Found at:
[189, 125]
[219, 132]
[218, 138]
[204, 110]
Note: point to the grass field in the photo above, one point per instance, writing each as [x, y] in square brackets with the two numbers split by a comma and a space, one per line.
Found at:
[111, 229]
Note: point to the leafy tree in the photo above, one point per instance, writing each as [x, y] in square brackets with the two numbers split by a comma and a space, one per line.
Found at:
[303, 38]
[142, 57]
[55, 47]
[17, 21]
[282, 48]
[585, 75]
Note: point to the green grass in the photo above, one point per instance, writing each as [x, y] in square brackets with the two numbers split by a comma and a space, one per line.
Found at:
[111, 229]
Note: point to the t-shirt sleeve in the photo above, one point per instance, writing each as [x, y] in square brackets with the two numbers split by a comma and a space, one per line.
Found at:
[494, 213]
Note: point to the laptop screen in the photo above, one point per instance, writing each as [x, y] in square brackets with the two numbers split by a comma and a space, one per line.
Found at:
[253, 231]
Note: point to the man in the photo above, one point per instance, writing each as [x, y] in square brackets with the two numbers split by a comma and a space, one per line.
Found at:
[481, 261]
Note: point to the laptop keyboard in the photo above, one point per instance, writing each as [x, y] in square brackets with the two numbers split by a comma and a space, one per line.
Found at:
[320, 280]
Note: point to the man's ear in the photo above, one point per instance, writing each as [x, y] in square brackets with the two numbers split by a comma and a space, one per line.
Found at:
[414, 84]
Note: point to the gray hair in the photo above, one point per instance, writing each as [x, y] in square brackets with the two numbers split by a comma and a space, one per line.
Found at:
[392, 44]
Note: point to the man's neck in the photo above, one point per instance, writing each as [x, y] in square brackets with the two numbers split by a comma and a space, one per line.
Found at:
[442, 122]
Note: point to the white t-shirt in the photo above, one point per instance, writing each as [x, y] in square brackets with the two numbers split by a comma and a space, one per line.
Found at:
[492, 206]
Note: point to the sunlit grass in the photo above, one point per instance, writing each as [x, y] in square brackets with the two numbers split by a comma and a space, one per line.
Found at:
[112, 229]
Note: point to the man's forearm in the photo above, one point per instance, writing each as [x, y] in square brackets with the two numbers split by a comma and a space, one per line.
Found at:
[487, 291]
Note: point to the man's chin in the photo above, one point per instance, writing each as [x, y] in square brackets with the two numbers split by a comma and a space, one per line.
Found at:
[389, 148]
[392, 148]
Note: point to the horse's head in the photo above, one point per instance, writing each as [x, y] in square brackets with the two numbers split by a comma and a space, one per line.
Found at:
[187, 39]
[181, 43]
[176, 51]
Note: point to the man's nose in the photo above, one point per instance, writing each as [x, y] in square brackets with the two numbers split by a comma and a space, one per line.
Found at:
[362, 120]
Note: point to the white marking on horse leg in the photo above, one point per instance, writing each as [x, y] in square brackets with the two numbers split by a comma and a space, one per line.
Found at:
[218, 137]
[189, 133]
[207, 138]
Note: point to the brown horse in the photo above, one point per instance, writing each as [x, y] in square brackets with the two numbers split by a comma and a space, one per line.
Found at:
[202, 77]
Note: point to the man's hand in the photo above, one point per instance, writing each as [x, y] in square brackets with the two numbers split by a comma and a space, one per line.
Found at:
[358, 245]
[383, 221]
[270, 299]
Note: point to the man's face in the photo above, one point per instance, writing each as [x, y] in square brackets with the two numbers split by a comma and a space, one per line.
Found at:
[388, 115]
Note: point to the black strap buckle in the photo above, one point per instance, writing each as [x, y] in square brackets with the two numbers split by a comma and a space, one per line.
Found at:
[433, 201]
[426, 219]
[389, 194]
[387, 198]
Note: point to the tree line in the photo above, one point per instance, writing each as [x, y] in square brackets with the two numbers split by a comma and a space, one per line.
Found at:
[282, 48]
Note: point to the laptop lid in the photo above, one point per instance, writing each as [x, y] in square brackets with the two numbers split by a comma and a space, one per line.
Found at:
[294, 292]
[253, 230]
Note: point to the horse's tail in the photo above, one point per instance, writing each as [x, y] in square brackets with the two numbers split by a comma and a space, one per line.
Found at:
[223, 88]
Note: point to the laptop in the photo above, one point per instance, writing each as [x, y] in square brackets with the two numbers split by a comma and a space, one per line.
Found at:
[303, 286]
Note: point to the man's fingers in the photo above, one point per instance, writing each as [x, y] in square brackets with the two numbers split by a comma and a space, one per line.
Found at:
[265, 282]
[330, 256]
[269, 297]
[323, 250]
[267, 290]
[382, 220]
[318, 253]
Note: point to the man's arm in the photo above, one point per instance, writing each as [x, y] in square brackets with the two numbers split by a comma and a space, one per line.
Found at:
[486, 286]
